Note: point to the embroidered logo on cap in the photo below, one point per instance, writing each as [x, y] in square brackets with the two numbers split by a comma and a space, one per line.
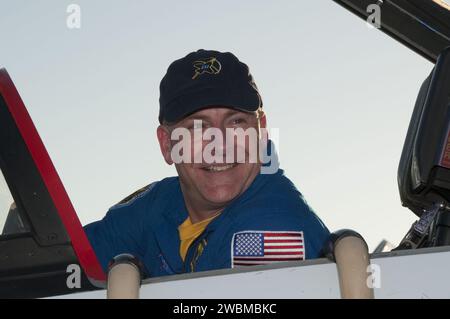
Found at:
[210, 66]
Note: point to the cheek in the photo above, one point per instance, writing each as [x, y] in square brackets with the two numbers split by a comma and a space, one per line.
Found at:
[196, 144]
[186, 173]
[246, 147]
[188, 150]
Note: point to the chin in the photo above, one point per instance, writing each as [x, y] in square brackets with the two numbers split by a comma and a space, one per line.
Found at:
[219, 184]
[221, 194]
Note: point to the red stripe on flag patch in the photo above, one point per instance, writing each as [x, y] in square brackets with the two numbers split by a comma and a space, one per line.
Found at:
[270, 247]
[268, 241]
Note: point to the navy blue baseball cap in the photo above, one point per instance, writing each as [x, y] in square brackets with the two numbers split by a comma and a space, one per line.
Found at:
[204, 79]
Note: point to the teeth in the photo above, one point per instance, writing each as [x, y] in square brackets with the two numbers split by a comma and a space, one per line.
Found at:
[219, 168]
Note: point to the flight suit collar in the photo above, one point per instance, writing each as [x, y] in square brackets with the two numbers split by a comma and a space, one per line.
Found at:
[173, 213]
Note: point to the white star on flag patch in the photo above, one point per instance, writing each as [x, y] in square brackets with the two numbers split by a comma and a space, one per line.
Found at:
[251, 248]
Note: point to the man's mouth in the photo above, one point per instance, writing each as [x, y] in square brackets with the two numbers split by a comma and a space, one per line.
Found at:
[219, 168]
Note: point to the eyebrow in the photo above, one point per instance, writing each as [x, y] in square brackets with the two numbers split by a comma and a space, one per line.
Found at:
[206, 118]
[228, 112]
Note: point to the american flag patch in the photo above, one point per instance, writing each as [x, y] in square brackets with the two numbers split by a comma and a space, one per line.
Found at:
[251, 248]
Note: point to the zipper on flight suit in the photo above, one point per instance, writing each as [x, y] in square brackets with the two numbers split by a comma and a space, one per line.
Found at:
[195, 250]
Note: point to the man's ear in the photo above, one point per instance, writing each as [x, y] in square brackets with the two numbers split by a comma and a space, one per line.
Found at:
[163, 134]
[262, 119]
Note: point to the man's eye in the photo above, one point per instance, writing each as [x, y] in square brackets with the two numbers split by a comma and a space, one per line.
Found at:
[238, 121]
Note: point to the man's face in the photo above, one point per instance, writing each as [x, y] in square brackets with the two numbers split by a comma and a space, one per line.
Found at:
[216, 174]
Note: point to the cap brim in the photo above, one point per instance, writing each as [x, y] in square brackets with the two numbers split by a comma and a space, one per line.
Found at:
[186, 105]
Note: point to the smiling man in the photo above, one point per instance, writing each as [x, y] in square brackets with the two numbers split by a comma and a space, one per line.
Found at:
[225, 209]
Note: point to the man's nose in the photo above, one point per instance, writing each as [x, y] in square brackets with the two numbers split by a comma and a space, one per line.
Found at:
[215, 135]
[222, 144]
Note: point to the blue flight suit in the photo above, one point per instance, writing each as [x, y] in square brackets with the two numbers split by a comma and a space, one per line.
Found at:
[147, 226]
